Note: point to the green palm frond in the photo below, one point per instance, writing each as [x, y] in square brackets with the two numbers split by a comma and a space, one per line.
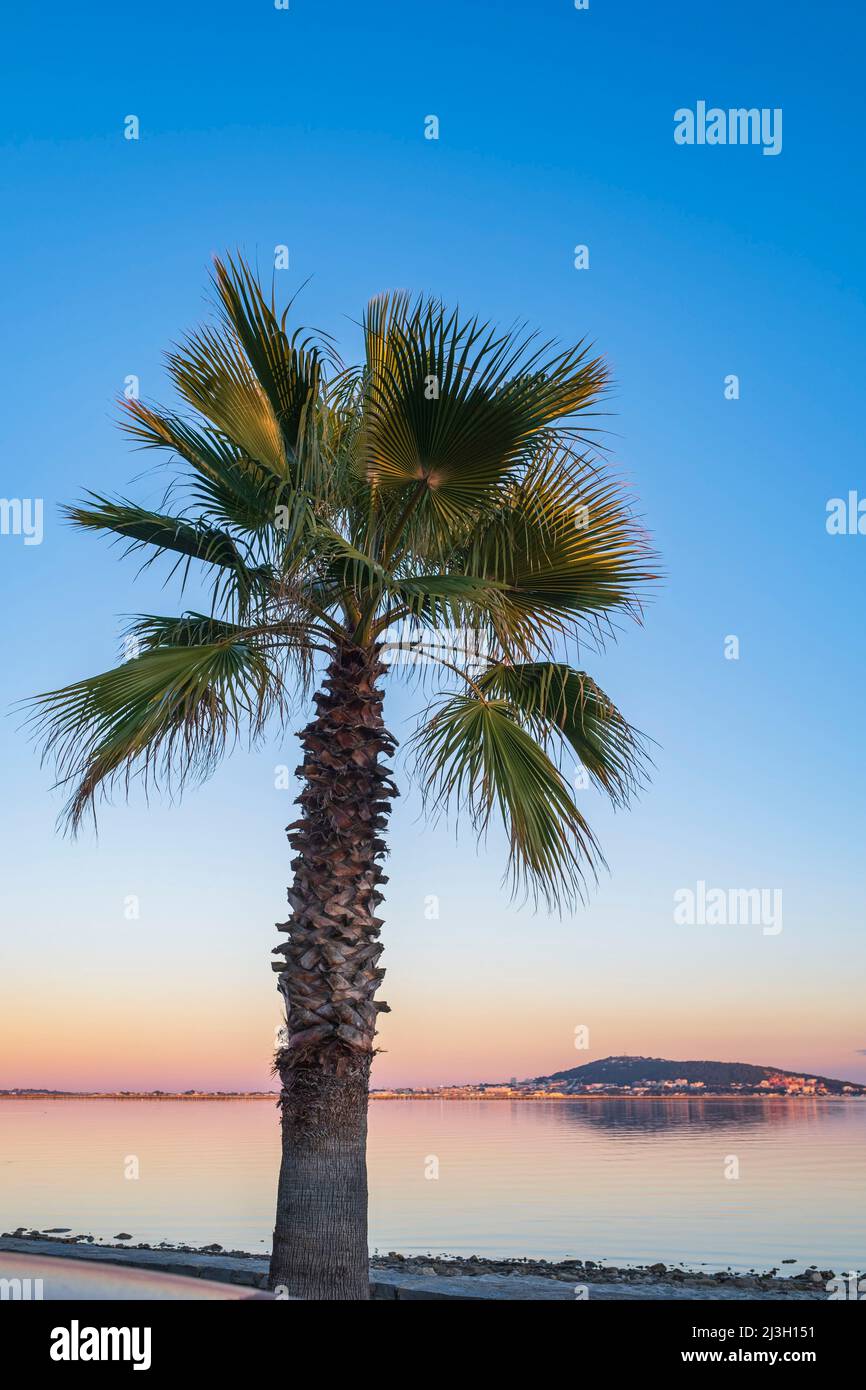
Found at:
[168, 714]
[560, 704]
[474, 754]
[566, 543]
[443, 599]
[212, 374]
[159, 529]
[240, 581]
[453, 407]
[288, 370]
[227, 486]
[289, 640]
[150, 630]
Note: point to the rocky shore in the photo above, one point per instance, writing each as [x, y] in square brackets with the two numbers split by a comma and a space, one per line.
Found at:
[450, 1273]
[590, 1272]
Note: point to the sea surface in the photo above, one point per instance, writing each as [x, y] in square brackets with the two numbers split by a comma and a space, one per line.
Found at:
[615, 1181]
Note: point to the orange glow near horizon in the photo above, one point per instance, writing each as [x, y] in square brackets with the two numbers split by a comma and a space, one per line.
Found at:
[221, 1037]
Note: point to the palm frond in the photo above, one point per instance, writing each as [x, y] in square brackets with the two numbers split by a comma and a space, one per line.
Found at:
[558, 703]
[239, 579]
[168, 714]
[473, 753]
[151, 630]
[211, 372]
[567, 545]
[227, 485]
[452, 598]
[453, 407]
[288, 369]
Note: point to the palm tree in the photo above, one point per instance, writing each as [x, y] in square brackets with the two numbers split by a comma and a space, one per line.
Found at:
[434, 513]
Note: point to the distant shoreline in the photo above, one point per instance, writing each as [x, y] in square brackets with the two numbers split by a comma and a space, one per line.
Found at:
[555, 1097]
[139, 1095]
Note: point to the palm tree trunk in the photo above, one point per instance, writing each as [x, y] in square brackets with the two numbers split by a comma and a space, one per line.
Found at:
[328, 980]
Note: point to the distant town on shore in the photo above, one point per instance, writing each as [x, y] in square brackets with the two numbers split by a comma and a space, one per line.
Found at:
[611, 1078]
[631, 1077]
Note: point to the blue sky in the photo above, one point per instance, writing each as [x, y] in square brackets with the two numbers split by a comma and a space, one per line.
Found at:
[261, 127]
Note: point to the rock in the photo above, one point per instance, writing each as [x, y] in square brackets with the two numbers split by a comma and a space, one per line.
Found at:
[57, 1230]
[122, 1235]
[211, 1249]
[658, 1269]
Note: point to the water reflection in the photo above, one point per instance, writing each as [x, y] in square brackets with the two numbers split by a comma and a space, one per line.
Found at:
[628, 1181]
[658, 1114]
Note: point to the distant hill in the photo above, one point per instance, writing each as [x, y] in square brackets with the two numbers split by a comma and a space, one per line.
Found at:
[632, 1071]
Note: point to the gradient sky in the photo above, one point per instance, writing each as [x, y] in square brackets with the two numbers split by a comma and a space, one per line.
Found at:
[261, 127]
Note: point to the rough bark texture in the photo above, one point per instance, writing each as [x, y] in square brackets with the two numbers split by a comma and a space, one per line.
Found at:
[328, 980]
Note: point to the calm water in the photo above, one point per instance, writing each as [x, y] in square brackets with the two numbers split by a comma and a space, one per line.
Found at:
[606, 1180]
